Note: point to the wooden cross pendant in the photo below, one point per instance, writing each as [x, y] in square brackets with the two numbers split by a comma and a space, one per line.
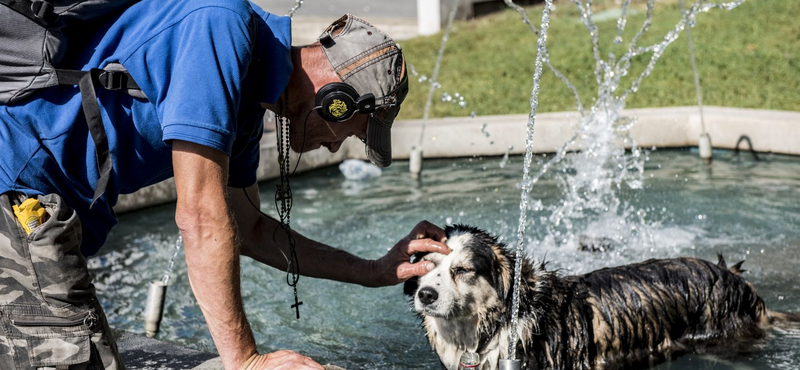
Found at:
[296, 307]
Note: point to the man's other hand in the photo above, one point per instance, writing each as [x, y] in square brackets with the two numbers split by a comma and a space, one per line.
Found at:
[280, 360]
[396, 267]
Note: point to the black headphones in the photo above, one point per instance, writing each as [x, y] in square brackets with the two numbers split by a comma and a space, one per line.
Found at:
[338, 101]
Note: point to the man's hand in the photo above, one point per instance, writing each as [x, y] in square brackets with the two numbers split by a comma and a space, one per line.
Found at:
[396, 267]
[280, 360]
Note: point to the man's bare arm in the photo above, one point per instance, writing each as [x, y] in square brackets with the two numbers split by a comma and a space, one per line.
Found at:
[212, 255]
[203, 215]
[263, 240]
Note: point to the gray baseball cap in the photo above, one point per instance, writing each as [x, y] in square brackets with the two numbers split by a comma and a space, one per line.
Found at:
[371, 62]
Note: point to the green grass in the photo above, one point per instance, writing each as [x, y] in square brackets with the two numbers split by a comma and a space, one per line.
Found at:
[748, 57]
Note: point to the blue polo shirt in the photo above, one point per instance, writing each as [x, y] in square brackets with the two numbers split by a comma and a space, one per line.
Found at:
[205, 67]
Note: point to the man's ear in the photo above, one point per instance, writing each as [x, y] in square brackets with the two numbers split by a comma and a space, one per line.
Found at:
[411, 285]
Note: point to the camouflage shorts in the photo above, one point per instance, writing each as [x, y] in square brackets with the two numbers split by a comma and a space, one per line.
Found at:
[49, 315]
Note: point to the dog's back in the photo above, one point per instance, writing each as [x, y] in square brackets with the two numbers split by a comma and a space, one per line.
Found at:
[661, 308]
[637, 315]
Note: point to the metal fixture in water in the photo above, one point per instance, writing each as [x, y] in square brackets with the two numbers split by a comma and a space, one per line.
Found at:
[157, 293]
[507, 364]
[415, 162]
[154, 308]
[745, 138]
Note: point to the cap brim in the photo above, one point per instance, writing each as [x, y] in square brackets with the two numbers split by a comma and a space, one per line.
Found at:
[379, 137]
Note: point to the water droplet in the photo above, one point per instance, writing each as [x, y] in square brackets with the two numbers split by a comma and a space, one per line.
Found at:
[449, 221]
[472, 114]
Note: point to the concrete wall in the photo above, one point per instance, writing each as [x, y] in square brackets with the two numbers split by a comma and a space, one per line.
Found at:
[770, 131]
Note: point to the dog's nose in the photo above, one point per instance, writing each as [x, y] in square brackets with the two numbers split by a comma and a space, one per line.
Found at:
[427, 295]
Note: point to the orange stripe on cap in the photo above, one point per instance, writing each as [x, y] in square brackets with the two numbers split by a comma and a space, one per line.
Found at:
[342, 72]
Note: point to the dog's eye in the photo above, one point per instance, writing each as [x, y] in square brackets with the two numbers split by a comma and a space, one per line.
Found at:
[462, 270]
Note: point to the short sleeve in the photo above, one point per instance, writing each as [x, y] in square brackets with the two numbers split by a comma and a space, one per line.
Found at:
[207, 55]
[242, 170]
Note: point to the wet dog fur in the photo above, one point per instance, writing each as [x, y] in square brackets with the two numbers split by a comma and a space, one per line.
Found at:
[630, 316]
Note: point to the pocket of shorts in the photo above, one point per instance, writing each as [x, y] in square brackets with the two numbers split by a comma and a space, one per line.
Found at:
[56, 257]
[54, 341]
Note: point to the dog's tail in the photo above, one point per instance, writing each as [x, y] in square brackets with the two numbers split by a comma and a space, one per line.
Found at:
[784, 317]
[736, 269]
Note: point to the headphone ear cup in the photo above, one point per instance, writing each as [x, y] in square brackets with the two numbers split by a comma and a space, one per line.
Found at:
[336, 102]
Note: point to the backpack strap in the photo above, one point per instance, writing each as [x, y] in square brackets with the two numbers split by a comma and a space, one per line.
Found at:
[91, 109]
[38, 11]
[114, 77]
[108, 79]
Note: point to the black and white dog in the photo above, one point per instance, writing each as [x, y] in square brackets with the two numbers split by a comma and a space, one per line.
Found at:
[624, 317]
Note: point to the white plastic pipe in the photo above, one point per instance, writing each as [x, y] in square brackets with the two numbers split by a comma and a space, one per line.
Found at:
[705, 147]
[415, 162]
[429, 17]
[154, 308]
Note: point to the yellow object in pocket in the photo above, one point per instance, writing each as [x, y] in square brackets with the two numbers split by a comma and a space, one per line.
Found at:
[30, 214]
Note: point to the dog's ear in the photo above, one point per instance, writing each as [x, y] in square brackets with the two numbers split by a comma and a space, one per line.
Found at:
[504, 266]
[411, 285]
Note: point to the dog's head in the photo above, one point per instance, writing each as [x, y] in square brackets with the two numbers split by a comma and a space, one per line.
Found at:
[470, 282]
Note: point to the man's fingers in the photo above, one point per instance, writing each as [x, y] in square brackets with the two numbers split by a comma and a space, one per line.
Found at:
[427, 245]
[313, 364]
[286, 360]
[425, 230]
[407, 270]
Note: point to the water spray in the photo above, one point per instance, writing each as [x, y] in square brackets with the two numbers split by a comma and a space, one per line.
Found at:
[541, 50]
[415, 157]
[295, 8]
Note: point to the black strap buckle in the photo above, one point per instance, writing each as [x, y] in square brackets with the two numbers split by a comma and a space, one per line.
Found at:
[42, 10]
[112, 80]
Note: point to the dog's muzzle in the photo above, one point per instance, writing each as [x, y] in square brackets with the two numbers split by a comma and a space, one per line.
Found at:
[427, 295]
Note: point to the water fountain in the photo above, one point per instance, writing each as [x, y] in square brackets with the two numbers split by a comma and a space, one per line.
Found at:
[602, 164]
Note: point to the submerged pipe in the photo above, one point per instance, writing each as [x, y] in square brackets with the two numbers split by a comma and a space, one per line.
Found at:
[154, 308]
